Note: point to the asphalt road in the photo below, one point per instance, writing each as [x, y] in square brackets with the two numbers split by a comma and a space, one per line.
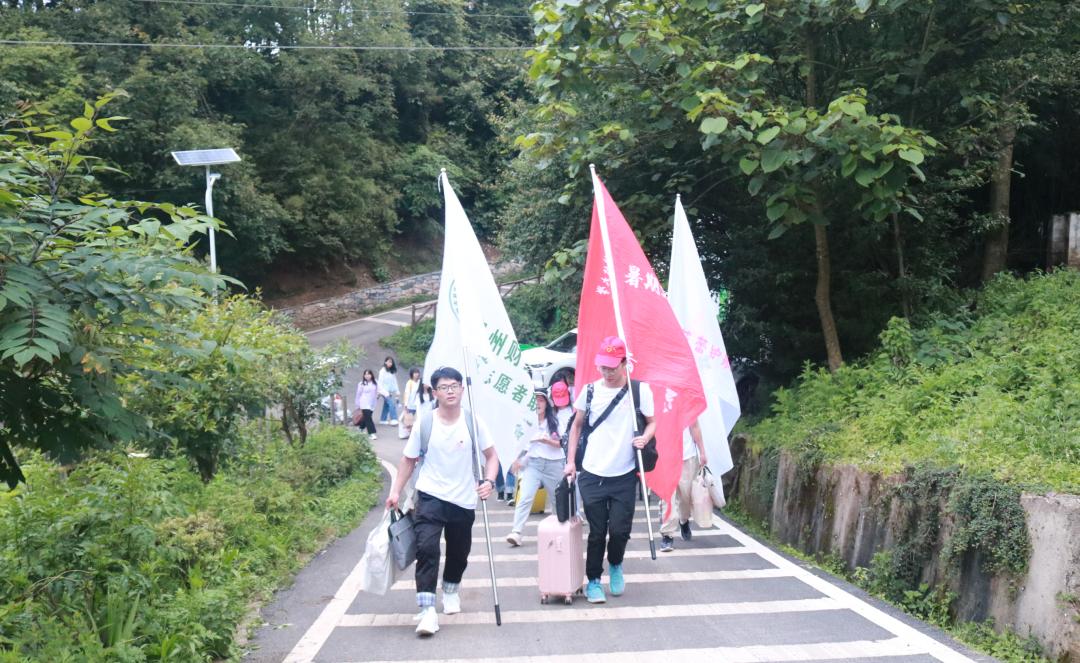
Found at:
[723, 597]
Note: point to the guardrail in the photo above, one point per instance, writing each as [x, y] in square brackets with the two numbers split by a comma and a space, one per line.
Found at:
[422, 310]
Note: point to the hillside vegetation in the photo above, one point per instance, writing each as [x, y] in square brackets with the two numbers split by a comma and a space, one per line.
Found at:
[992, 388]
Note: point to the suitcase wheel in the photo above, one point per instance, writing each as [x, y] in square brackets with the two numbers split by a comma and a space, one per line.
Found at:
[543, 599]
[568, 599]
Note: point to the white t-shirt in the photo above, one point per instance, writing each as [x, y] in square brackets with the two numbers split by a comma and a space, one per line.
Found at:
[542, 449]
[447, 470]
[689, 449]
[610, 450]
[563, 416]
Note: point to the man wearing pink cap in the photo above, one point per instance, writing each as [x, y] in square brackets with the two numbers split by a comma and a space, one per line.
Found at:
[608, 479]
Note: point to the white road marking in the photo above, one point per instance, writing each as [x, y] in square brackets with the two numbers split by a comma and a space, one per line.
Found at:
[529, 538]
[533, 521]
[634, 578]
[825, 651]
[847, 600]
[353, 322]
[601, 613]
[316, 635]
[630, 554]
[395, 323]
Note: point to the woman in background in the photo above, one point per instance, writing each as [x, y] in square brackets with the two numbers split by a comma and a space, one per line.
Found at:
[543, 465]
[389, 390]
[364, 404]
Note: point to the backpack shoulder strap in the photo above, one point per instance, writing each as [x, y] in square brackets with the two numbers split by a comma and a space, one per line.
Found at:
[639, 416]
[426, 417]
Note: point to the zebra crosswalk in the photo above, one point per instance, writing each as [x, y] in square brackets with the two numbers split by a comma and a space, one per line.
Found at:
[723, 596]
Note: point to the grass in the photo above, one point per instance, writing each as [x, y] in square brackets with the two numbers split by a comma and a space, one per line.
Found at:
[136, 559]
[995, 390]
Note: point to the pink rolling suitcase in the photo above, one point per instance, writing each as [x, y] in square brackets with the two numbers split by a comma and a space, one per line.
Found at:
[562, 556]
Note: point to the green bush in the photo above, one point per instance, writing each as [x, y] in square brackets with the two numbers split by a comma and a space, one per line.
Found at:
[134, 559]
[411, 344]
[995, 390]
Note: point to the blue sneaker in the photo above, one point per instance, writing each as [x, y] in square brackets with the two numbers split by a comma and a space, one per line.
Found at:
[616, 582]
[594, 593]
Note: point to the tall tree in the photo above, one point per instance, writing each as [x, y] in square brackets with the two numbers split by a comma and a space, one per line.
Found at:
[747, 78]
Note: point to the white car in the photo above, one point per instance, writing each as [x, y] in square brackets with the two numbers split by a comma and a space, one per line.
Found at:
[549, 363]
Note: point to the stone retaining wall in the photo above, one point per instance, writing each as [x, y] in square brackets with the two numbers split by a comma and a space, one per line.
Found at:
[323, 312]
[846, 512]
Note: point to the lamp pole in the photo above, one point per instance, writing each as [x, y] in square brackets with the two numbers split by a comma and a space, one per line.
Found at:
[208, 158]
[210, 179]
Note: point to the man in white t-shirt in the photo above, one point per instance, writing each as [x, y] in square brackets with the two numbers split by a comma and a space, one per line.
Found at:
[446, 492]
[694, 459]
[608, 479]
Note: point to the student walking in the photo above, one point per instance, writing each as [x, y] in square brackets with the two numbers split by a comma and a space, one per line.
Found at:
[541, 465]
[446, 493]
[608, 479]
[388, 389]
[364, 403]
[694, 459]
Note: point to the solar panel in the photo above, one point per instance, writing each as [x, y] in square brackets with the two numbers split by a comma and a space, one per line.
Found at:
[206, 157]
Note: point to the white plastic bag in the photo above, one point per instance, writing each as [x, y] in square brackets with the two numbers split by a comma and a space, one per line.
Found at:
[379, 571]
[700, 501]
[716, 488]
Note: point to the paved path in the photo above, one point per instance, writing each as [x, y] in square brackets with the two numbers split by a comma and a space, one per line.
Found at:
[721, 597]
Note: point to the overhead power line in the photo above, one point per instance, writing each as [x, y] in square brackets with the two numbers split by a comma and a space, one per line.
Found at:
[313, 7]
[283, 47]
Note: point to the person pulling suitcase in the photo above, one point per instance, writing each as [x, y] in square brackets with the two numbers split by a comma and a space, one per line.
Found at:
[608, 478]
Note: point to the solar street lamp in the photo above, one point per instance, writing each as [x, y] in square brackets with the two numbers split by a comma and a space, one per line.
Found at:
[207, 158]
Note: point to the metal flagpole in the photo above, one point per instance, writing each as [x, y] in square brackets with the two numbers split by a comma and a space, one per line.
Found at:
[609, 263]
[480, 468]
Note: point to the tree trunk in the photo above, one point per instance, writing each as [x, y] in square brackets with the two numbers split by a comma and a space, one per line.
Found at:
[996, 249]
[823, 300]
[286, 417]
[822, 293]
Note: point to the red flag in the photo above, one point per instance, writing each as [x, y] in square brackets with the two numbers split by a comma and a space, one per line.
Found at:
[621, 296]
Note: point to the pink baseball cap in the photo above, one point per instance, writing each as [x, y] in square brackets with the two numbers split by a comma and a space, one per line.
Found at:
[611, 353]
[560, 394]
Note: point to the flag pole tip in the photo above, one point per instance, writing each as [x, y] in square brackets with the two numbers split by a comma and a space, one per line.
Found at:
[442, 171]
[678, 197]
[592, 168]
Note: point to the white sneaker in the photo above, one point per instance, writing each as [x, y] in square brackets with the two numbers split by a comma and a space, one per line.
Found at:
[451, 604]
[393, 422]
[429, 622]
[514, 539]
[374, 436]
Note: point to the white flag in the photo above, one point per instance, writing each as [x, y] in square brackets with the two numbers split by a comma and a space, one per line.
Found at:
[470, 318]
[697, 309]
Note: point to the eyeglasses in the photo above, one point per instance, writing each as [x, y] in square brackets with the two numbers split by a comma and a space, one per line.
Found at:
[449, 388]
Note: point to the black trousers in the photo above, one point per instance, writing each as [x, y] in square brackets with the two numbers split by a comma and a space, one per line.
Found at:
[432, 519]
[367, 422]
[609, 504]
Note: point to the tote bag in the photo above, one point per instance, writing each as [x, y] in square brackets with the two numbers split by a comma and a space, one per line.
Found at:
[402, 539]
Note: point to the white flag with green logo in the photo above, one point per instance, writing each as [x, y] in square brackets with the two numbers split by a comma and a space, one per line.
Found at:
[470, 317]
